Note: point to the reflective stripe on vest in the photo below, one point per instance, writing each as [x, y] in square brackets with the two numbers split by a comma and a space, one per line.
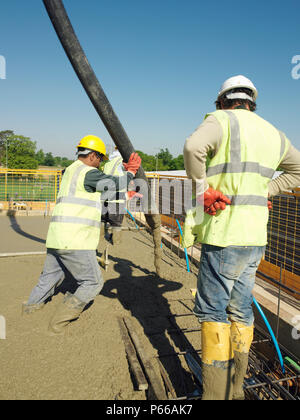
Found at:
[249, 154]
[111, 168]
[72, 199]
[80, 201]
[76, 218]
[236, 165]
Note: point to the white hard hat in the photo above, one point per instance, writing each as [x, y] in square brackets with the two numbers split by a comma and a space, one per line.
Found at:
[238, 82]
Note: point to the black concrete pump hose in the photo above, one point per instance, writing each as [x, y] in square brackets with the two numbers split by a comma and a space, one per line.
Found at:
[89, 81]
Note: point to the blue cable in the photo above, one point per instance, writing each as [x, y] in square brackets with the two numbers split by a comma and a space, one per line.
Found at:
[271, 334]
[132, 219]
[185, 250]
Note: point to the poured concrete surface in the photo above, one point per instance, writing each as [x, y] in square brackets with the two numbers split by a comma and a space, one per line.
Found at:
[90, 362]
[23, 234]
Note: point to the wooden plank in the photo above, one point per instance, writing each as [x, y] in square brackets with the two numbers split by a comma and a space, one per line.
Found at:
[288, 279]
[158, 391]
[168, 383]
[132, 358]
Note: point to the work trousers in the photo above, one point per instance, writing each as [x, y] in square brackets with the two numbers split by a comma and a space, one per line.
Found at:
[81, 264]
[225, 283]
[115, 220]
[113, 214]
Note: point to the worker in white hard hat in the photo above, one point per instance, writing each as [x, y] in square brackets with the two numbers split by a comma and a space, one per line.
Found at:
[74, 232]
[234, 153]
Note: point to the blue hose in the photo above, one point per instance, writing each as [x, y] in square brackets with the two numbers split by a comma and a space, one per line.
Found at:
[132, 219]
[185, 250]
[271, 334]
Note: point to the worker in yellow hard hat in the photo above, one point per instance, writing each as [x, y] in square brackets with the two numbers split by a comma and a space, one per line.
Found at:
[92, 143]
[74, 232]
[234, 154]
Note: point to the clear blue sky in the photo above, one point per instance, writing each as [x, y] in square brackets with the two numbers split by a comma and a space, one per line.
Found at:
[160, 63]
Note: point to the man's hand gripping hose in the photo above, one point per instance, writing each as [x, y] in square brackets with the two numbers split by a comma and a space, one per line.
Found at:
[133, 164]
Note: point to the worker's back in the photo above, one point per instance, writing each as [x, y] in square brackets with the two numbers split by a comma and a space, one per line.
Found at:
[250, 152]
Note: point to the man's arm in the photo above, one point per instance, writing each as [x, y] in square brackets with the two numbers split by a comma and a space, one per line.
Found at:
[290, 178]
[206, 139]
[96, 180]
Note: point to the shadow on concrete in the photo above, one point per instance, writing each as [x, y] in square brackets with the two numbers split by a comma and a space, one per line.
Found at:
[16, 227]
[144, 297]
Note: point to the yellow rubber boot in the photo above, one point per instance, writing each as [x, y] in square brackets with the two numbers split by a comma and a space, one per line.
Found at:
[242, 337]
[217, 361]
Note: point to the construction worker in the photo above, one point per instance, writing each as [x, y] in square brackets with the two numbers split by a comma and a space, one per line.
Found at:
[234, 153]
[74, 230]
[114, 211]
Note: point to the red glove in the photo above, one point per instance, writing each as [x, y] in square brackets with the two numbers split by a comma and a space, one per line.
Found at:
[270, 205]
[133, 194]
[133, 164]
[213, 201]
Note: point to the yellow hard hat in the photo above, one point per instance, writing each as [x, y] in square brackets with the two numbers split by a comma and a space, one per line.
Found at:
[93, 143]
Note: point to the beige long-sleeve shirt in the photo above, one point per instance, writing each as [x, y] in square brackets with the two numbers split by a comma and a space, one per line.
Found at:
[208, 137]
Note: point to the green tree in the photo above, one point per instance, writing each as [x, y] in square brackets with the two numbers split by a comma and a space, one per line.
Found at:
[40, 157]
[4, 136]
[49, 159]
[165, 156]
[150, 162]
[20, 152]
[177, 164]
[65, 162]
[57, 161]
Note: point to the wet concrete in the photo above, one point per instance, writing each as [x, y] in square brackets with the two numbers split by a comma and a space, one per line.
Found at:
[90, 361]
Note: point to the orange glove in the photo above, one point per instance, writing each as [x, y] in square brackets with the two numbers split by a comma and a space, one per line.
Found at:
[133, 164]
[213, 201]
[270, 205]
[212, 209]
[133, 194]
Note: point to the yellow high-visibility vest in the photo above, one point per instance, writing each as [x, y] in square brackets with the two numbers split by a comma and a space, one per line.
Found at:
[76, 218]
[251, 150]
[112, 168]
